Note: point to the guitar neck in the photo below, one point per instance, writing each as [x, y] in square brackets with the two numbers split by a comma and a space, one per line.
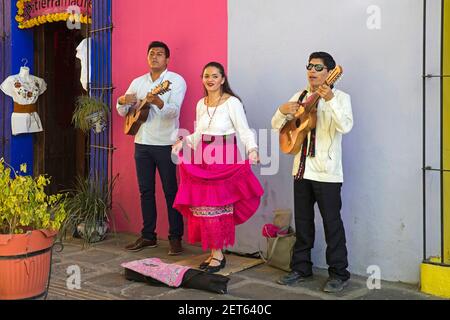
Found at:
[141, 106]
[159, 90]
[144, 103]
[311, 102]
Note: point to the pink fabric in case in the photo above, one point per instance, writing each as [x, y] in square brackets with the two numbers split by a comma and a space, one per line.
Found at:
[170, 274]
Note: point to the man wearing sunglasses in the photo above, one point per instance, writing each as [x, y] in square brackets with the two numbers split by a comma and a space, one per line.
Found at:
[318, 175]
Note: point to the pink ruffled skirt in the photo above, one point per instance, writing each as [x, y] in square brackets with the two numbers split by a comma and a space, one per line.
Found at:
[217, 191]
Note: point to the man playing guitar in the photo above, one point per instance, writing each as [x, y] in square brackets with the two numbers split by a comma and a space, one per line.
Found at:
[153, 144]
[318, 174]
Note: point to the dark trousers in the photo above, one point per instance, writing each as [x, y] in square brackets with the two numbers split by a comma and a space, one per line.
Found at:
[148, 159]
[328, 198]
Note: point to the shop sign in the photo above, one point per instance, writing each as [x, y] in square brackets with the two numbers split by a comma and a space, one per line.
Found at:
[31, 13]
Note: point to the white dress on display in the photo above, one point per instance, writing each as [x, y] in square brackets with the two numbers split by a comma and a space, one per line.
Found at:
[24, 89]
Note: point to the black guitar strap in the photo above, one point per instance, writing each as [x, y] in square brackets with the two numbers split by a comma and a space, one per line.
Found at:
[302, 96]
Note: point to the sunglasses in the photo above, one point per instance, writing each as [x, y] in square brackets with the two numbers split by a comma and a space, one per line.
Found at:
[317, 67]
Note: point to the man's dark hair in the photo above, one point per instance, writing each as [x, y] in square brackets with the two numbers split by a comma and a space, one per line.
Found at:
[327, 59]
[159, 44]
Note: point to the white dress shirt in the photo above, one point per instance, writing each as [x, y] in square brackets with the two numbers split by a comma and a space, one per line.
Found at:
[334, 119]
[162, 125]
[228, 118]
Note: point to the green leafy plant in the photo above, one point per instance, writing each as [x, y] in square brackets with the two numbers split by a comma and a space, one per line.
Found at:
[25, 206]
[89, 206]
[90, 112]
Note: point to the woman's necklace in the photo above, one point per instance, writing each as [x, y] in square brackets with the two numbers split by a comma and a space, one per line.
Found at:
[215, 109]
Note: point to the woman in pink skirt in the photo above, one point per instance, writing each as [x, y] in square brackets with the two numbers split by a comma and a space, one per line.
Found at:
[218, 189]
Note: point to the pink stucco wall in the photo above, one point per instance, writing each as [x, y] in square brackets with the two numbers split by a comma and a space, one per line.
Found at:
[196, 32]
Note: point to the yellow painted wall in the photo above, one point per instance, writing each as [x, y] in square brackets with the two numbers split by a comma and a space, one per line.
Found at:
[446, 141]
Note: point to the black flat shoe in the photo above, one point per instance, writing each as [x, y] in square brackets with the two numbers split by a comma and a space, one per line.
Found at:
[214, 269]
[204, 264]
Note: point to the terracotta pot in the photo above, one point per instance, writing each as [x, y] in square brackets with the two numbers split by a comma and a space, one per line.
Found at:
[25, 264]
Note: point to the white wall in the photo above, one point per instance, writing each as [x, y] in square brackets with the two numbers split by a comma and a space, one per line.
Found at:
[432, 185]
[269, 44]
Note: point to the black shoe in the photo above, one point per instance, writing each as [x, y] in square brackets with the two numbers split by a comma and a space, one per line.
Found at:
[214, 269]
[335, 285]
[204, 264]
[292, 278]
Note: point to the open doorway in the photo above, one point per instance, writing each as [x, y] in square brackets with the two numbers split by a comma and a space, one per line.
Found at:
[60, 151]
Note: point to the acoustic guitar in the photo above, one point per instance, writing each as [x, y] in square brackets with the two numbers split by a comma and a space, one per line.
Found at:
[136, 116]
[296, 130]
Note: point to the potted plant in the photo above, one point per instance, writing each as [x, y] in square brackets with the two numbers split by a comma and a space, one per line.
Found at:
[88, 206]
[29, 222]
[90, 113]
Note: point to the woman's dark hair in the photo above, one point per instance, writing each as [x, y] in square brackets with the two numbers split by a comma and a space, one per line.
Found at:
[159, 44]
[226, 86]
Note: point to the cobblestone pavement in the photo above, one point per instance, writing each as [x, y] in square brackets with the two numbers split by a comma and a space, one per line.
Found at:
[102, 279]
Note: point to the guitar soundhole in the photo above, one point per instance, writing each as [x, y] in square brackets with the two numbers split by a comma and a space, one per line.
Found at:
[297, 123]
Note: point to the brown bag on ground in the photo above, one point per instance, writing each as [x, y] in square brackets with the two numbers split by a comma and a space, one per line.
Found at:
[279, 251]
[282, 218]
[280, 248]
